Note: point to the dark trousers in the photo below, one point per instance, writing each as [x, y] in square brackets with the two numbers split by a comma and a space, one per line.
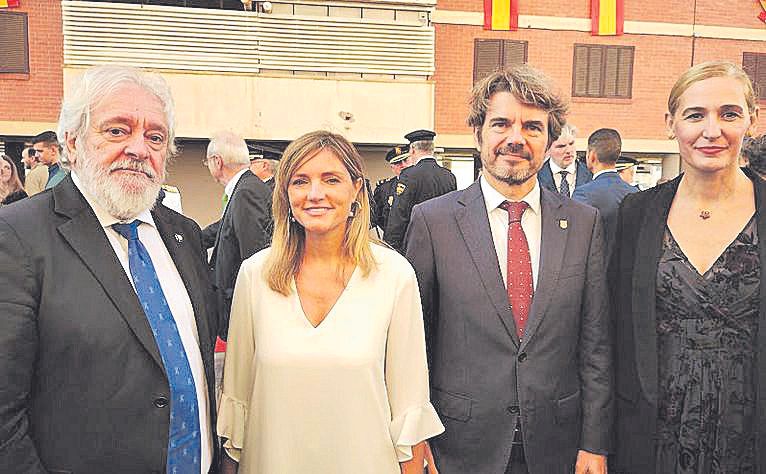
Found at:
[517, 464]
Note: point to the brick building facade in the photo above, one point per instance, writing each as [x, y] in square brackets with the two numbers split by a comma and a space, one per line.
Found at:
[666, 36]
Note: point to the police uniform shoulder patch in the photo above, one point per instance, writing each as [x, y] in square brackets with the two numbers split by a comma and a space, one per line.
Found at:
[400, 187]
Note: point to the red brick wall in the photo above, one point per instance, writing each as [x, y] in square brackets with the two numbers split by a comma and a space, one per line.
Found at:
[741, 13]
[36, 97]
[658, 62]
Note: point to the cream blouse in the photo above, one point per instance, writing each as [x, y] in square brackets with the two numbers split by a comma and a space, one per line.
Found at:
[348, 396]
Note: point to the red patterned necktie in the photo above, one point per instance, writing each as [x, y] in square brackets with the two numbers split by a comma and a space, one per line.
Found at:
[520, 287]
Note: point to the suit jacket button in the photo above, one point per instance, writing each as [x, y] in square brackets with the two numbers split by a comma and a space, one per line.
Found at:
[513, 410]
[160, 402]
[522, 357]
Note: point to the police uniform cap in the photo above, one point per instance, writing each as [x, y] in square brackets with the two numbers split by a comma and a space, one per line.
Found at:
[397, 154]
[623, 163]
[420, 135]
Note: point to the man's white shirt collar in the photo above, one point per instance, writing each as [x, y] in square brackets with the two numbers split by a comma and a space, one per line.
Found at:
[229, 188]
[610, 170]
[555, 168]
[104, 218]
[493, 198]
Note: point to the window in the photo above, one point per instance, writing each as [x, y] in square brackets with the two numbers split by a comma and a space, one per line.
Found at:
[602, 71]
[489, 55]
[754, 65]
[14, 43]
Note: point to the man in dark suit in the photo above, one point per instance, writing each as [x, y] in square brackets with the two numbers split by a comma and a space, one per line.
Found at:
[422, 181]
[246, 222]
[265, 168]
[562, 172]
[514, 299]
[108, 320]
[398, 158]
[607, 189]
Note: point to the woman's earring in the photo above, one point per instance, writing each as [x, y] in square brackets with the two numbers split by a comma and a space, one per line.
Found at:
[354, 209]
[290, 215]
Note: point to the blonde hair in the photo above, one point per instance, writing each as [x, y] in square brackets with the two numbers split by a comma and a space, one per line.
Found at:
[288, 241]
[709, 70]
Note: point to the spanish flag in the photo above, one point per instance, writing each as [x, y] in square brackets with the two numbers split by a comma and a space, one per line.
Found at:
[607, 17]
[501, 15]
[9, 3]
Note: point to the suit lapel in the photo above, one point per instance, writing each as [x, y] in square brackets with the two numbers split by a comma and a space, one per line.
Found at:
[473, 222]
[647, 257]
[225, 214]
[183, 257]
[552, 248]
[85, 235]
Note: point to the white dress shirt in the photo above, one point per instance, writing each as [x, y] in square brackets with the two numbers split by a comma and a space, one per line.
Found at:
[229, 188]
[571, 177]
[531, 223]
[599, 173]
[177, 298]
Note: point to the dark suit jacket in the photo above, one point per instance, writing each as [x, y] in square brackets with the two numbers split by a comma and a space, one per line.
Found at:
[633, 269]
[605, 193]
[83, 380]
[545, 175]
[423, 181]
[245, 229]
[558, 380]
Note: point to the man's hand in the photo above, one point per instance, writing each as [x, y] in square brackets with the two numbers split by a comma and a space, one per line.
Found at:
[589, 463]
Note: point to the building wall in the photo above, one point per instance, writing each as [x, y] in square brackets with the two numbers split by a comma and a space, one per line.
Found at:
[29, 103]
[659, 60]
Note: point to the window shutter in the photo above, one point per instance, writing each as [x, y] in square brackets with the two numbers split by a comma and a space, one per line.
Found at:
[14, 45]
[580, 74]
[595, 62]
[611, 72]
[514, 52]
[625, 68]
[486, 58]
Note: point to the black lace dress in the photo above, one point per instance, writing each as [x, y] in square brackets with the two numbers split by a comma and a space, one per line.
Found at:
[706, 333]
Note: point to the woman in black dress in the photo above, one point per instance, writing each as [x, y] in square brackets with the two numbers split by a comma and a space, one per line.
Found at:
[690, 360]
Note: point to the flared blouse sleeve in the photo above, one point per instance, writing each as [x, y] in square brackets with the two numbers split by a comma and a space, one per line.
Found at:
[413, 418]
[240, 351]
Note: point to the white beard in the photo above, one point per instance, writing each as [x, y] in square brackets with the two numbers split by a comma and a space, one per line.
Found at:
[123, 197]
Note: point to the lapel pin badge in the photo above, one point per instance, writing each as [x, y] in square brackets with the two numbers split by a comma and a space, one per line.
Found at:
[179, 238]
[563, 223]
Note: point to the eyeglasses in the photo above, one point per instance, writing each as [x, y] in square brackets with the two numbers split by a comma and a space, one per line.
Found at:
[207, 160]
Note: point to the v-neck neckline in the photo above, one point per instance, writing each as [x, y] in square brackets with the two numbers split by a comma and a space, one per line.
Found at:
[685, 258]
[330, 311]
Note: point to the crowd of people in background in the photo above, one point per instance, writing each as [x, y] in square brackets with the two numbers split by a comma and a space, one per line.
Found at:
[550, 317]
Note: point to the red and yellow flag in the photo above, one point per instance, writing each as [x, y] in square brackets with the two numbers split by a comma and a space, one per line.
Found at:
[9, 3]
[607, 17]
[501, 15]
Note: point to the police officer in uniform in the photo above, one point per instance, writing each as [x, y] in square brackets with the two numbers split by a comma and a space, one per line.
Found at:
[398, 158]
[422, 181]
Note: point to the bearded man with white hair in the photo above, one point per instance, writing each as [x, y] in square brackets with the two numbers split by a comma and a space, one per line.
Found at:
[108, 316]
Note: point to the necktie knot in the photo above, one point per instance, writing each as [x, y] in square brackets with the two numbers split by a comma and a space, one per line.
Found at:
[515, 210]
[129, 231]
[564, 174]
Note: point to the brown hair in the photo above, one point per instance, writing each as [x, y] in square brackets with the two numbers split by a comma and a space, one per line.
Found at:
[606, 142]
[530, 87]
[14, 184]
[288, 242]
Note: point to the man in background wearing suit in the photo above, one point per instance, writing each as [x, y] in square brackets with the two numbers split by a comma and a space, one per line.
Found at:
[246, 222]
[514, 300]
[265, 168]
[607, 189]
[562, 172]
[106, 335]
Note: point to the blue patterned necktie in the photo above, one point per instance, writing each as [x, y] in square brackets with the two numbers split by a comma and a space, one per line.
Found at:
[564, 188]
[184, 447]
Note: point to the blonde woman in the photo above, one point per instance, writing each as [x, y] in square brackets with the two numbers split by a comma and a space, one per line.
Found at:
[325, 366]
[11, 189]
[689, 294]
